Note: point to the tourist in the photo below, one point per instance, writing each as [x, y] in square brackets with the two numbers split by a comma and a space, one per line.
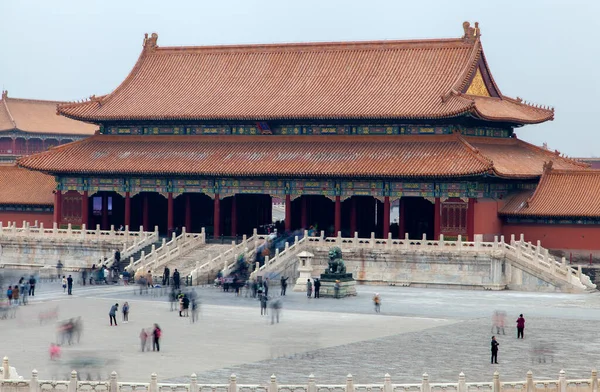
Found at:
[143, 339]
[317, 288]
[149, 279]
[377, 302]
[336, 289]
[176, 279]
[9, 293]
[125, 311]
[263, 304]
[64, 283]
[308, 288]
[70, 285]
[54, 351]
[117, 257]
[186, 305]
[283, 285]
[266, 286]
[32, 286]
[520, 326]
[15, 294]
[113, 314]
[275, 309]
[83, 276]
[23, 291]
[156, 334]
[495, 345]
[254, 288]
[166, 276]
[195, 310]
[173, 298]
[498, 320]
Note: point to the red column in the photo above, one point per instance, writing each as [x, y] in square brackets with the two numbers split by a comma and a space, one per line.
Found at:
[84, 209]
[188, 213]
[26, 145]
[437, 219]
[338, 215]
[57, 207]
[288, 213]
[352, 216]
[105, 224]
[304, 213]
[217, 217]
[127, 210]
[401, 221]
[170, 225]
[43, 144]
[386, 216]
[471, 219]
[233, 216]
[145, 218]
[14, 146]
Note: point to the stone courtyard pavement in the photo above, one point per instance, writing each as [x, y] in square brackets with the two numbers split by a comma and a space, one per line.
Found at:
[441, 332]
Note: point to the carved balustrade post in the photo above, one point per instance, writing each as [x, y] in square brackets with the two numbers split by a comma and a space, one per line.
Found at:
[312, 386]
[562, 381]
[72, 382]
[425, 387]
[349, 383]
[113, 387]
[194, 383]
[233, 384]
[529, 386]
[441, 242]
[459, 243]
[387, 383]
[153, 383]
[496, 382]
[273, 384]
[5, 368]
[34, 384]
[594, 381]
[462, 383]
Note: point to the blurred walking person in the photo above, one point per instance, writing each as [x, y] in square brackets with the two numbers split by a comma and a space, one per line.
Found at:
[176, 279]
[377, 302]
[32, 286]
[317, 288]
[125, 311]
[15, 294]
[113, 314]
[275, 309]
[143, 339]
[263, 304]
[520, 326]
[308, 288]
[195, 310]
[156, 335]
[70, 285]
[64, 284]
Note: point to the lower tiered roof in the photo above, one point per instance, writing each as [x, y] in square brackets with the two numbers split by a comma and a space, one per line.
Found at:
[298, 156]
[24, 187]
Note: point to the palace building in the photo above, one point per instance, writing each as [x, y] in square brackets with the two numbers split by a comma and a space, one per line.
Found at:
[208, 136]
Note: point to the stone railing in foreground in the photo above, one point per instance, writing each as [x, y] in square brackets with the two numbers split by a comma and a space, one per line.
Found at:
[228, 258]
[169, 250]
[11, 231]
[562, 384]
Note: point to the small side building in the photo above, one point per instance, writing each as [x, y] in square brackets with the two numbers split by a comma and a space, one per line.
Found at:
[25, 195]
[563, 211]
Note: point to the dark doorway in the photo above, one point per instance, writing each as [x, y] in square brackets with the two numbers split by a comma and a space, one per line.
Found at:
[418, 217]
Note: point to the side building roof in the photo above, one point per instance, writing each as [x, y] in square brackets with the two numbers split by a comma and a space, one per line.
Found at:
[416, 79]
[24, 187]
[37, 116]
[559, 194]
[339, 156]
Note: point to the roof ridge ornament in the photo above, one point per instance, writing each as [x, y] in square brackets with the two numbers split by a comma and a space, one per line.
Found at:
[548, 166]
[150, 43]
[4, 94]
[471, 34]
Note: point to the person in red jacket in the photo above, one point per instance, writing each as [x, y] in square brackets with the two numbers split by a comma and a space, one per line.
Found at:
[520, 326]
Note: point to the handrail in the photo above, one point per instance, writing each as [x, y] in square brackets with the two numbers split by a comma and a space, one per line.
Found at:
[168, 251]
[288, 253]
[140, 243]
[35, 232]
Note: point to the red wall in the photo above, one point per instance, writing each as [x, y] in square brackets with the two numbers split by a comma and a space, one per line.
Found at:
[487, 221]
[559, 237]
[15, 216]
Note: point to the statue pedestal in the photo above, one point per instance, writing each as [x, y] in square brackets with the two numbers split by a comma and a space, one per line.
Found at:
[346, 282]
[305, 269]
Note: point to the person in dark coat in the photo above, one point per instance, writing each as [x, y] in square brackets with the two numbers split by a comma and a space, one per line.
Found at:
[166, 276]
[520, 326]
[283, 285]
[495, 345]
[317, 288]
[176, 279]
[70, 285]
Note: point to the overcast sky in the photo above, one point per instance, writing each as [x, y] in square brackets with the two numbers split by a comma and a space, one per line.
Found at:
[544, 51]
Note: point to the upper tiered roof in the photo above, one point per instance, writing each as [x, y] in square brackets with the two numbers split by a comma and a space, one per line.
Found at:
[417, 79]
[559, 194]
[36, 116]
[293, 156]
